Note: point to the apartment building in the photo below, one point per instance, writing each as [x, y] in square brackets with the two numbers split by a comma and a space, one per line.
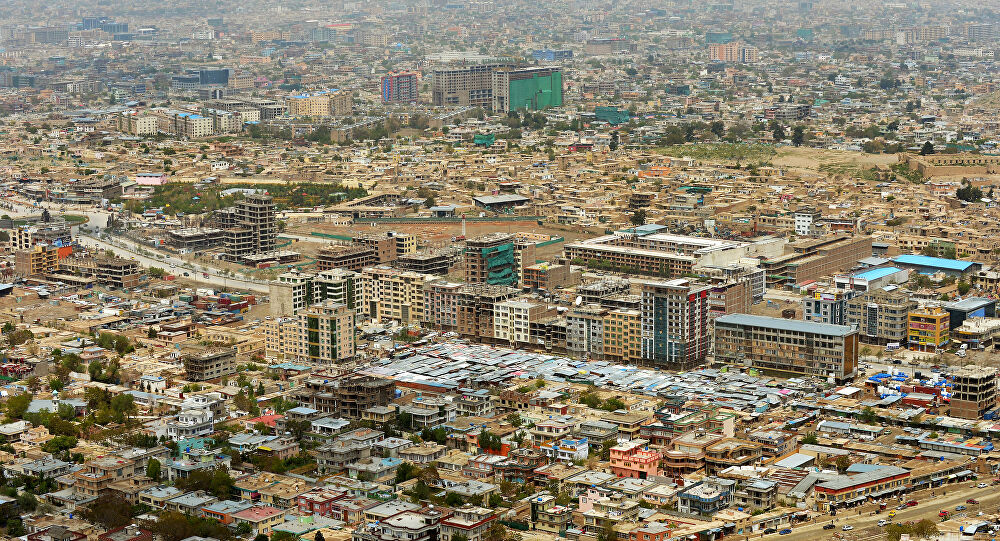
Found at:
[674, 324]
[400, 87]
[881, 316]
[295, 290]
[585, 331]
[388, 294]
[465, 85]
[622, 335]
[251, 227]
[798, 348]
[98, 474]
[512, 320]
[322, 333]
[532, 89]
[347, 257]
[811, 259]
[476, 306]
[827, 306]
[974, 392]
[39, 259]
[322, 104]
[111, 271]
[929, 329]
[733, 51]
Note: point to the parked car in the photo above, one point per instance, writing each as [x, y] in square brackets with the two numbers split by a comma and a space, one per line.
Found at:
[847, 527]
[982, 485]
[786, 531]
[973, 501]
[959, 508]
[911, 503]
[829, 526]
[943, 513]
[882, 523]
[769, 531]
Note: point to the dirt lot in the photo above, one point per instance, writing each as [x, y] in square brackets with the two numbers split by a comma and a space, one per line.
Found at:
[439, 235]
[820, 162]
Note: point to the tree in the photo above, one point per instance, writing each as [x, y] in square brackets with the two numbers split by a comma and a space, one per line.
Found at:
[798, 135]
[15, 528]
[153, 469]
[868, 415]
[319, 537]
[927, 149]
[514, 419]
[638, 217]
[17, 406]
[810, 439]
[109, 511]
[963, 288]
[156, 272]
[613, 145]
[778, 131]
[842, 463]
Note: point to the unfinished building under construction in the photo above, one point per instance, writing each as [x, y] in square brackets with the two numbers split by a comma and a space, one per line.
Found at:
[346, 396]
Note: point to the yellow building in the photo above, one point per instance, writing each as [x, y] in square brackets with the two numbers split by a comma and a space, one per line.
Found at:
[39, 259]
[928, 329]
[392, 295]
[623, 335]
[321, 104]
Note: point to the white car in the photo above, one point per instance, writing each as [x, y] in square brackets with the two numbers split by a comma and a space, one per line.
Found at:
[882, 523]
[847, 527]
[982, 485]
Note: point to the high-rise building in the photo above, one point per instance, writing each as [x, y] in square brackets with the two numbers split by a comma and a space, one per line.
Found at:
[251, 227]
[881, 316]
[490, 259]
[294, 290]
[465, 85]
[326, 103]
[400, 87]
[392, 295]
[733, 52]
[526, 88]
[320, 334]
[674, 323]
[929, 329]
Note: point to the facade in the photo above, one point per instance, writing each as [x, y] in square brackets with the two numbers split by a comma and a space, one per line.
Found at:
[811, 259]
[345, 396]
[793, 347]
[733, 52]
[251, 227]
[390, 295]
[532, 89]
[345, 257]
[674, 324]
[39, 259]
[881, 316]
[847, 489]
[465, 85]
[974, 392]
[634, 459]
[400, 87]
[321, 334]
[294, 291]
[827, 306]
[929, 329]
[490, 259]
[210, 364]
[326, 103]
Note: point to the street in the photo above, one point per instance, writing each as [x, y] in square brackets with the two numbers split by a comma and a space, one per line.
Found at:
[927, 508]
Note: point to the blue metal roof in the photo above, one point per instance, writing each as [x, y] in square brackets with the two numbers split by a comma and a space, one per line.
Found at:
[875, 274]
[937, 262]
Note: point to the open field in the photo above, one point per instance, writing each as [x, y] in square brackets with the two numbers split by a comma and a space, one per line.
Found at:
[812, 162]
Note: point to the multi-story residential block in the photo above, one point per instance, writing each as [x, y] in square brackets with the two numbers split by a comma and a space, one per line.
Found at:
[811, 259]
[731, 452]
[585, 331]
[467, 522]
[622, 329]
[99, 473]
[532, 89]
[512, 320]
[37, 260]
[251, 227]
[674, 324]
[733, 52]
[881, 316]
[326, 103]
[210, 364]
[634, 459]
[321, 334]
[390, 295]
[787, 346]
[566, 450]
[400, 87]
[346, 396]
[828, 306]
[707, 497]
[465, 85]
[548, 516]
[929, 329]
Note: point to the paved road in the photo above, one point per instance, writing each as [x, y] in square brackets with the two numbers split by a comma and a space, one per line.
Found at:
[928, 508]
[173, 266]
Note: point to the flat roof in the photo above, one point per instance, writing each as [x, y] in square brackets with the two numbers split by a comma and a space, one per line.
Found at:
[785, 324]
[938, 262]
[875, 274]
[507, 198]
[972, 303]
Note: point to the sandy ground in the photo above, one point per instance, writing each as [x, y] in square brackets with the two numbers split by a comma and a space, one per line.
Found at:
[809, 161]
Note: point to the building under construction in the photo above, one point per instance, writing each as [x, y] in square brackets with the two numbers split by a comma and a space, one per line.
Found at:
[490, 259]
[346, 396]
[210, 364]
[250, 227]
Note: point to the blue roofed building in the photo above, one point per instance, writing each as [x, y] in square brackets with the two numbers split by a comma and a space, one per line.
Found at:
[931, 265]
[870, 279]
